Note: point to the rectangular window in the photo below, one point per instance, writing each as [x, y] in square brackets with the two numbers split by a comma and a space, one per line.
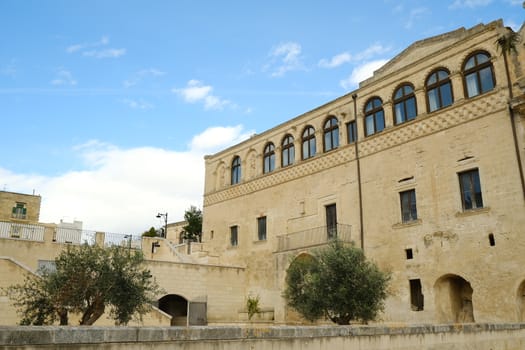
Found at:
[234, 239]
[261, 228]
[470, 190]
[351, 130]
[19, 211]
[417, 299]
[331, 221]
[408, 205]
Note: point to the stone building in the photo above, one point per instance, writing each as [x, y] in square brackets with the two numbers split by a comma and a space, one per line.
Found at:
[421, 166]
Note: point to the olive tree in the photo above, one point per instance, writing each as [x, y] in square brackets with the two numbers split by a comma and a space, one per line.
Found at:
[88, 281]
[337, 283]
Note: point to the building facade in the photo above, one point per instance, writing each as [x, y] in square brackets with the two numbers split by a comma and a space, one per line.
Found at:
[421, 166]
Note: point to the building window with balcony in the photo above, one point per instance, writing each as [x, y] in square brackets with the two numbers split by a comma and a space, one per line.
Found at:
[470, 187]
[374, 116]
[331, 134]
[19, 211]
[478, 74]
[261, 228]
[408, 205]
[288, 151]
[308, 142]
[269, 158]
[234, 238]
[439, 90]
[331, 220]
[236, 170]
[404, 104]
[351, 130]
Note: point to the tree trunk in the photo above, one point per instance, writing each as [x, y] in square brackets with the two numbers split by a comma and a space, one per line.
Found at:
[93, 313]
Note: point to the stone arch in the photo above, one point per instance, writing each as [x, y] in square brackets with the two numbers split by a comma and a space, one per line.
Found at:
[453, 299]
[520, 298]
[177, 307]
[290, 315]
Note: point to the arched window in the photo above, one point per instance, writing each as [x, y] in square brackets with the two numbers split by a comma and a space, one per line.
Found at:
[308, 142]
[478, 74]
[269, 158]
[374, 116]
[331, 134]
[439, 90]
[405, 108]
[236, 170]
[288, 151]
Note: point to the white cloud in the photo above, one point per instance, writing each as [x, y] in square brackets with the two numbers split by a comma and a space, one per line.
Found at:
[335, 61]
[469, 3]
[361, 73]
[96, 49]
[195, 91]
[141, 75]
[414, 15]
[137, 104]
[64, 78]
[346, 57]
[122, 190]
[284, 58]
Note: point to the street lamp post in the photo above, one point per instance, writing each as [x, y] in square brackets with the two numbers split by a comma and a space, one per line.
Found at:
[165, 216]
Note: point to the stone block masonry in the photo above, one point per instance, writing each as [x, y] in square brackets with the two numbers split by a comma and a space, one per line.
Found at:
[436, 337]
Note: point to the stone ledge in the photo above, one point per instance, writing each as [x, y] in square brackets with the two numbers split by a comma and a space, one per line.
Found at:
[41, 335]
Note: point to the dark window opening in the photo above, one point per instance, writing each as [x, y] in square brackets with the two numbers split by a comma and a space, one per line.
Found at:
[236, 170]
[269, 158]
[409, 254]
[374, 116]
[331, 134]
[439, 90]
[331, 221]
[405, 108]
[234, 239]
[308, 142]
[492, 241]
[261, 228]
[288, 151]
[416, 295]
[478, 74]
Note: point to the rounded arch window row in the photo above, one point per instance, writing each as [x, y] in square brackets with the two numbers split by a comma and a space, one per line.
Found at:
[478, 78]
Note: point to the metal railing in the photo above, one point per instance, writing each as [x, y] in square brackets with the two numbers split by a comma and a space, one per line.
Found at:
[123, 240]
[313, 237]
[73, 236]
[22, 231]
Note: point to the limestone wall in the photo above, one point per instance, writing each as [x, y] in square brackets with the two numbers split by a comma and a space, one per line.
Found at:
[445, 337]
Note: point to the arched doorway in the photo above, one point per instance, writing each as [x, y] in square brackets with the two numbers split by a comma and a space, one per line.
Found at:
[521, 302]
[292, 316]
[453, 300]
[177, 307]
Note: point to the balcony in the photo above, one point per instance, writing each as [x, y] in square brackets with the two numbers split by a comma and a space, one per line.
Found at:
[313, 237]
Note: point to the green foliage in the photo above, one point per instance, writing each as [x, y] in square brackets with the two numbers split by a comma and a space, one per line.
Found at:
[193, 229]
[150, 233]
[508, 42]
[337, 283]
[88, 280]
[252, 305]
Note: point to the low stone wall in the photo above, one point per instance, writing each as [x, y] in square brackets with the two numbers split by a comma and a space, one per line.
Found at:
[420, 337]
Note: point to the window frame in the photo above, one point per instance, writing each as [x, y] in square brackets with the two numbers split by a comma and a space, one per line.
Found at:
[262, 228]
[476, 71]
[403, 100]
[437, 86]
[474, 182]
[269, 158]
[308, 139]
[374, 112]
[351, 131]
[288, 149]
[234, 235]
[330, 134]
[408, 205]
[235, 174]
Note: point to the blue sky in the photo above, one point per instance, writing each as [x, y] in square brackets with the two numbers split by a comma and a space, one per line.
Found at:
[108, 107]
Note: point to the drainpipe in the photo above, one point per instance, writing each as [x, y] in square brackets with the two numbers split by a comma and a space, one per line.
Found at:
[513, 123]
[356, 148]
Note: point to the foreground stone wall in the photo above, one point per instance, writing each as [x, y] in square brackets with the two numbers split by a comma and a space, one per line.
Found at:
[469, 336]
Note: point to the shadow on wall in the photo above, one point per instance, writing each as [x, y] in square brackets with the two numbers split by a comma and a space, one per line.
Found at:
[175, 306]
